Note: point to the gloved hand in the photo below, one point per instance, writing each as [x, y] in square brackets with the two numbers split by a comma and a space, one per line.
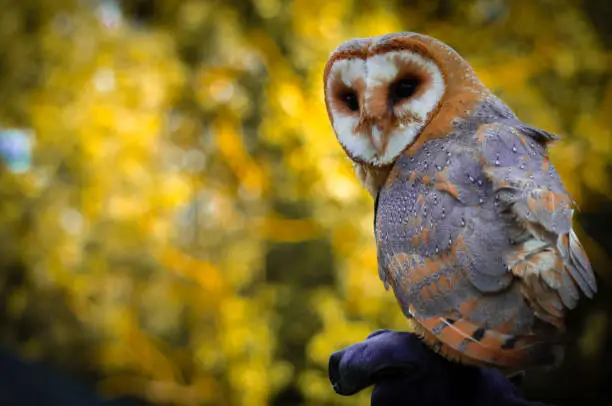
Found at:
[404, 371]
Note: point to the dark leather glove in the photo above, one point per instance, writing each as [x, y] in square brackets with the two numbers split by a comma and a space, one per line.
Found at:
[404, 371]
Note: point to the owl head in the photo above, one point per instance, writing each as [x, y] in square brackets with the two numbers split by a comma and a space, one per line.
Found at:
[383, 92]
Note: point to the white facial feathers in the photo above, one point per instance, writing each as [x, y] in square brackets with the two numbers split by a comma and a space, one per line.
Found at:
[371, 81]
[352, 71]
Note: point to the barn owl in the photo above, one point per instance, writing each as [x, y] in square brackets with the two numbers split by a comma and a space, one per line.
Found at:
[473, 225]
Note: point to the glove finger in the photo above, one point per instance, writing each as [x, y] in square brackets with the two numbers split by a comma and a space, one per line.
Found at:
[382, 355]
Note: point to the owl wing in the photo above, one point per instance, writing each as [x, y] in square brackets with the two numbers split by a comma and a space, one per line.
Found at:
[474, 236]
[547, 257]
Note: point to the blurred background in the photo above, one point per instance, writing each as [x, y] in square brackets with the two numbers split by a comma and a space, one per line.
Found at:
[178, 225]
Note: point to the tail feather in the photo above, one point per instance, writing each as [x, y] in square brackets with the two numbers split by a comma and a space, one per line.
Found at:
[462, 341]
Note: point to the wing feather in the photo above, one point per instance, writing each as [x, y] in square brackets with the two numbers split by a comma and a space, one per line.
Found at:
[535, 198]
[474, 237]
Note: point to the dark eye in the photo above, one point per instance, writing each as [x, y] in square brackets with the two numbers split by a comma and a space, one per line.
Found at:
[350, 99]
[404, 89]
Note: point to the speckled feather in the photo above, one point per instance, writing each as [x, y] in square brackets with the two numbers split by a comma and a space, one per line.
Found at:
[468, 227]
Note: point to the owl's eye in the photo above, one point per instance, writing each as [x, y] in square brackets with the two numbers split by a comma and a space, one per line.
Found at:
[404, 89]
[351, 101]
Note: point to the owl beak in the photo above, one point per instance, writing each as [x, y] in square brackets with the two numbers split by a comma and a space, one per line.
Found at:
[379, 139]
[377, 129]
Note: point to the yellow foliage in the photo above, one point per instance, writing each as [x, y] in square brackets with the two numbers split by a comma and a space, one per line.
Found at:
[186, 185]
